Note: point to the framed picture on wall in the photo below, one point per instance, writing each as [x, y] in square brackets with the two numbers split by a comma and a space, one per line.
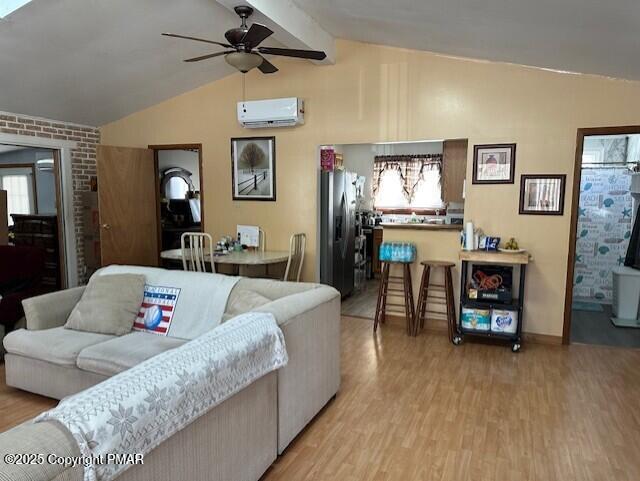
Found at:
[542, 194]
[494, 164]
[253, 168]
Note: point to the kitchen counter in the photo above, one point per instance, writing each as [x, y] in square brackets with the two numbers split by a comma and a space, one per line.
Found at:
[420, 226]
[433, 242]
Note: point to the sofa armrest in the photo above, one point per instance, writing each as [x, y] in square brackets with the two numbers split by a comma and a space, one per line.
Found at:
[51, 310]
[289, 308]
[310, 322]
[46, 438]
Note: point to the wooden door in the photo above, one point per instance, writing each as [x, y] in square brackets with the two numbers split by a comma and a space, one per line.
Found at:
[127, 205]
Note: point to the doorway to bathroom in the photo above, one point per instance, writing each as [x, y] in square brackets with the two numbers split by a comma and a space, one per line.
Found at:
[603, 281]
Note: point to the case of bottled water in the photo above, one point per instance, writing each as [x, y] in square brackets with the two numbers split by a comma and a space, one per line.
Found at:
[397, 252]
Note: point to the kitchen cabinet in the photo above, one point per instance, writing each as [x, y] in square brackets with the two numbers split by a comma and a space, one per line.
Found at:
[454, 169]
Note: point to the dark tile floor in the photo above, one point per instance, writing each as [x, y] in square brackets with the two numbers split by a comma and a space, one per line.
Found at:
[362, 303]
[590, 327]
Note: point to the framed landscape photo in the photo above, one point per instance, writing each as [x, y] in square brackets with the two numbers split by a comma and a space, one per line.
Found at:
[494, 164]
[542, 194]
[253, 168]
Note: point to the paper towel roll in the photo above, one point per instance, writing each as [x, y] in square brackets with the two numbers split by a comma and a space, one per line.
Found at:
[468, 237]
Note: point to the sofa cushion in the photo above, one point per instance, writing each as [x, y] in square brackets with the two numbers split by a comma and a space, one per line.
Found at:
[120, 353]
[251, 293]
[109, 304]
[241, 301]
[58, 345]
[274, 289]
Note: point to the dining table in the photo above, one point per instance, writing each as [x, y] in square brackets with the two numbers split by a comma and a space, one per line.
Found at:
[249, 263]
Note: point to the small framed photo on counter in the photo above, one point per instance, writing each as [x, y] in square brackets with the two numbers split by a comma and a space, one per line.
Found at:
[494, 164]
[542, 194]
[253, 168]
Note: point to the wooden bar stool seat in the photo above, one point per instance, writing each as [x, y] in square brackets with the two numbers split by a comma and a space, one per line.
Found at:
[398, 287]
[438, 263]
[438, 294]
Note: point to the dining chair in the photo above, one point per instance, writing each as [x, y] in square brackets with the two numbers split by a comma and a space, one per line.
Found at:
[297, 244]
[195, 247]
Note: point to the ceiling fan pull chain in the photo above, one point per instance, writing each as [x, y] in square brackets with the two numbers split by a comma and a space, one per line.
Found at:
[244, 91]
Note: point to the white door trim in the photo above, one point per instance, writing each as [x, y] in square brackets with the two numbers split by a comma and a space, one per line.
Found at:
[66, 190]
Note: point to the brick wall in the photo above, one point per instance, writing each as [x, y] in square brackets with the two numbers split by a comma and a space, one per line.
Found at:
[83, 158]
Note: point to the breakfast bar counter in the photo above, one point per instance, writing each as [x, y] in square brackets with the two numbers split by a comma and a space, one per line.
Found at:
[433, 242]
[421, 226]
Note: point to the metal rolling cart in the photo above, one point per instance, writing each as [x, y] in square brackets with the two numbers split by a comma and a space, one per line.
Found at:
[468, 258]
[360, 263]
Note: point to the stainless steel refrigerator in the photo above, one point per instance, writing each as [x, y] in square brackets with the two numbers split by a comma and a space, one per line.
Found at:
[337, 229]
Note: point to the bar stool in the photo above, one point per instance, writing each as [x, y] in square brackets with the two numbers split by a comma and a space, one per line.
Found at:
[444, 296]
[395, 286]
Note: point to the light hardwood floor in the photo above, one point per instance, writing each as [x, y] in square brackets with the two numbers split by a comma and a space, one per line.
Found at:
[422, 409]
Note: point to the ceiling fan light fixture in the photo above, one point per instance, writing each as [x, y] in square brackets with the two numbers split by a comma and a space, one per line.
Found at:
[246, 40]
[243, 61]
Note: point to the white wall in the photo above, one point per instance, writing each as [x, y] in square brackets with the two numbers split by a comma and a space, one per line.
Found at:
[359, 158]
[180, 158]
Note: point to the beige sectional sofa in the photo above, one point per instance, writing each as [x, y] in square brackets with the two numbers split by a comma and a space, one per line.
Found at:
[238, 439]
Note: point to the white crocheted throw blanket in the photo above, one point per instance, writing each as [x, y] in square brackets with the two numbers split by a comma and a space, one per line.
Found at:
[136, 410]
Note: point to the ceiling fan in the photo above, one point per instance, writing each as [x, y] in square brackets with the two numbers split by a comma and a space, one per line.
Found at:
[244, 52]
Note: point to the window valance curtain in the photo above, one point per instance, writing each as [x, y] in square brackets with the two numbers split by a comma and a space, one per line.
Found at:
[410, 167]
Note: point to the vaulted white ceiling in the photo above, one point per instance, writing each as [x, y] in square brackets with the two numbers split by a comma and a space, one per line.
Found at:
[586, 36]
[94, 61]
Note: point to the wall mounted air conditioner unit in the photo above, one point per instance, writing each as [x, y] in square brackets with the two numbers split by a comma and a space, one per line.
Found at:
[255, 114]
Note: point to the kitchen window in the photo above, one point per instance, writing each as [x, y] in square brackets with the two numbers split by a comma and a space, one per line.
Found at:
[408, 183]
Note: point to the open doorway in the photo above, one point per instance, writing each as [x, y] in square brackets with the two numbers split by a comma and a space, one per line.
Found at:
[31, 233]
[604, 287]
[179, 193]
[399, 192]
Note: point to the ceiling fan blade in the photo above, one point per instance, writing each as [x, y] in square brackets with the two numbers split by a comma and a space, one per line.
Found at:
[211, 55]
[267, 67]
[290, 52]
[226, 45]
[256, 34]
